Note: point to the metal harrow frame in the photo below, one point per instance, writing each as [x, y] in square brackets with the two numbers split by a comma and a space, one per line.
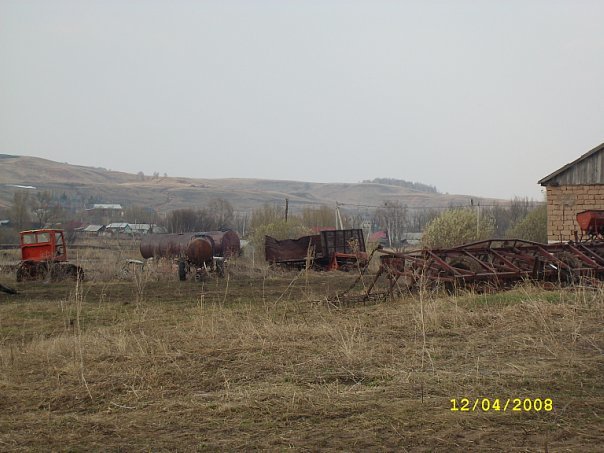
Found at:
[492, 264]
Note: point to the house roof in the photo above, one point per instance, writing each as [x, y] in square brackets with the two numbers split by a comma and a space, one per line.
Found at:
[140, 226]
[588, 154]
[119, 225]
[93, 228]
[382, 234]
[106, 206]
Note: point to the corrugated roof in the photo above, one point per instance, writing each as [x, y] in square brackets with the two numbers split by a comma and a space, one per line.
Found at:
[140, 226]
[106, 206]
[590, 153]
[118, 225]
[93, 228]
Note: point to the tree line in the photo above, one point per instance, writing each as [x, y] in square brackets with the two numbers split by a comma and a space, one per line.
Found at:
[520, 216]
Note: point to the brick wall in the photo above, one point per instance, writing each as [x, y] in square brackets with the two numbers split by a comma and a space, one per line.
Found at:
[563, 204]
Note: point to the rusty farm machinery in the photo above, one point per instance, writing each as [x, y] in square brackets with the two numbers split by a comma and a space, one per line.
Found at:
[44, 255]
[327, 250]
[491, 265]
[195, 253]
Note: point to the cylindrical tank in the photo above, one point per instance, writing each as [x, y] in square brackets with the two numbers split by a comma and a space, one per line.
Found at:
[226, 243]
[197, 248]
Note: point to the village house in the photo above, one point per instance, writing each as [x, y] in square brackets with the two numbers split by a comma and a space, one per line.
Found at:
[115, 229]
[91, 230]
[576, 187]
[103, 213]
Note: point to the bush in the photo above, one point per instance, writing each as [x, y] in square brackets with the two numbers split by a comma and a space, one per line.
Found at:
[9, 236]
[533, 227]
[457, 227]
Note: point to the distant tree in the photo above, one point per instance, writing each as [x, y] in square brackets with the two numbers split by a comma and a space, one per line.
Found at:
[181, 221]
[533, 227]
[421, 218]
[141, 176]
[457, 227]
[392, 216]
[417, 186]
[265, 215]
[322, 216]
[519, 208]
[92, 200]
[508, 214]
[64, 200]
[46, 209]
[155, 175]
[355, 220]
[140, 214]
[220, 211]
[241, 222]
[20, 210]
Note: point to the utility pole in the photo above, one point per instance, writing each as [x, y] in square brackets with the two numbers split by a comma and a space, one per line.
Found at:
[286, 208]
[339, 223]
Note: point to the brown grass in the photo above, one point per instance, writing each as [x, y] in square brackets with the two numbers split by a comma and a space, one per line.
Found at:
[265, 364]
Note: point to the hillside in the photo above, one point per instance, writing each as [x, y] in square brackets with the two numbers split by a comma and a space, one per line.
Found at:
[167, 193]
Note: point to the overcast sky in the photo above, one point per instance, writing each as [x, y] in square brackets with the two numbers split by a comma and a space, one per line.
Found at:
[474, 97]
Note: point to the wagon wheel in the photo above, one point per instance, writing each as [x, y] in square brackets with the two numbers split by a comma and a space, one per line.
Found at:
[182, 270]
[467, 264]
[565, 275]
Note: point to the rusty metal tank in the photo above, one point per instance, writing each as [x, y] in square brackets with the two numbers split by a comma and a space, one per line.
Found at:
[225, 243]
[197, 248]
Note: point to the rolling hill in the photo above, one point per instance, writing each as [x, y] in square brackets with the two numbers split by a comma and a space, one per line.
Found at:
[168, 193]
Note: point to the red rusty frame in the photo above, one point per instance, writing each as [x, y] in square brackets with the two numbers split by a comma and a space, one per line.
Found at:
[494, 263]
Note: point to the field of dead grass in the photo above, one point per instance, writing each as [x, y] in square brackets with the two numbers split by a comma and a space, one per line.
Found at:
[140, 361]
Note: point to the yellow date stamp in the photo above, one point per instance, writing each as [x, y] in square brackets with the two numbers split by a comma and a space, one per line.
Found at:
[502, 404]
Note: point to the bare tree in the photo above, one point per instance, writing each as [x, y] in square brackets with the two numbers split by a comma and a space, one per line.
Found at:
[46, 208]
[221, 212]
[421, 218]
[181, 221]
[323, 216]
[265, 215]
[140, 214]
[20, 210]
[392, 216]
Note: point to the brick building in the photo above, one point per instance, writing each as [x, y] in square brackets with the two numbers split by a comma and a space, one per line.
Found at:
[576, 187]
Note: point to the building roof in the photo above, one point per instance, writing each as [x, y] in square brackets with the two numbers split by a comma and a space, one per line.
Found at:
[552, 176]
[140, 226]
[118, 225]
[93, 228]
[106, 206]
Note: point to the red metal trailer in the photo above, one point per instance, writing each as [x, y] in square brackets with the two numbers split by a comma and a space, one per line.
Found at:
[330, 249]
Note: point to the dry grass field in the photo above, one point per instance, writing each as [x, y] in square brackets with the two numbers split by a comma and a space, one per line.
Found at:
[258, 360]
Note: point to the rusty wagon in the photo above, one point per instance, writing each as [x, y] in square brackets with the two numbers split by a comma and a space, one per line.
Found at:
[334, 249]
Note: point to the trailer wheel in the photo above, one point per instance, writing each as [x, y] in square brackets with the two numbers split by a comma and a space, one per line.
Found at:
[220, 268]
[568, 276]
[182, 270]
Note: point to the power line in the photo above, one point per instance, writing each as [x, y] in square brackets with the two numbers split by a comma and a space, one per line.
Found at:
[432, 207]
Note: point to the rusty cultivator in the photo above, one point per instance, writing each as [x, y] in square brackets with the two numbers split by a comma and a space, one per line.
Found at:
[486, 265]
